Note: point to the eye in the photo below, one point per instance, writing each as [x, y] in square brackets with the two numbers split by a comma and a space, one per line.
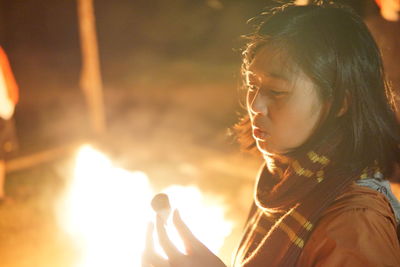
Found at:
[277, 93]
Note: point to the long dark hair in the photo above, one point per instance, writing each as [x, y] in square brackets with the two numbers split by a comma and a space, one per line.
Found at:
[334, 48]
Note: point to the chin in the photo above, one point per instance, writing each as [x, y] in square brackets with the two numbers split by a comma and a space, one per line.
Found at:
[267, 149]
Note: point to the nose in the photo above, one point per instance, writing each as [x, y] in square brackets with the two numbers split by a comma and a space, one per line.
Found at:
[257, 103]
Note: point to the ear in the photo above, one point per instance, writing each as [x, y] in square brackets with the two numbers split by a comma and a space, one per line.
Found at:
[345, 105]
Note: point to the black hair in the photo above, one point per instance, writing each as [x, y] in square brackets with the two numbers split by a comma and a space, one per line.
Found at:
[333, 47]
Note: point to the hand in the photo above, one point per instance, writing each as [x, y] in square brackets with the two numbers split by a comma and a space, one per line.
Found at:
[197, 254]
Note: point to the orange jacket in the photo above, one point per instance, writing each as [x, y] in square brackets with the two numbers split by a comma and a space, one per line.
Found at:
[357, 230]
[11, 84]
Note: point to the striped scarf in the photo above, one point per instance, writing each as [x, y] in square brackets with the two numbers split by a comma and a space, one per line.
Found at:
[288, 202]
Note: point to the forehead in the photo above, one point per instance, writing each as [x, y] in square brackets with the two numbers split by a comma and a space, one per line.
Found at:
[272, 63]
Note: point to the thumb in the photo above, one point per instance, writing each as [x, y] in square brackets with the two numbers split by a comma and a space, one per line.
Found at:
[149, 245]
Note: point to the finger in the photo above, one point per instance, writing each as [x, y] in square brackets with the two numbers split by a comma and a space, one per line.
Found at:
[169, 248]
[150, 258]
[190, 241]
[149, 246]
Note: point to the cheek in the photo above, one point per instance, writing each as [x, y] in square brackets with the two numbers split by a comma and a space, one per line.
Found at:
[296, 124]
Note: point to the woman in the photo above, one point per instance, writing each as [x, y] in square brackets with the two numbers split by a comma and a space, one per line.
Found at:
[321, 114]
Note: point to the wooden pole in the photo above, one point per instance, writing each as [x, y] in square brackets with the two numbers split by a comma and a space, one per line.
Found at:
[32, 160]
[90, 81]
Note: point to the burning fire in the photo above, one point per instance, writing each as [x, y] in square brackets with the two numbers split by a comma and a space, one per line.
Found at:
[106, 210]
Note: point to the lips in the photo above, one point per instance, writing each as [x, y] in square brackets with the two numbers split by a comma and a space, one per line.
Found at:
[259, 134]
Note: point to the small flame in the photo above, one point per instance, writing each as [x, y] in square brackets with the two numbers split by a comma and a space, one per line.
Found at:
[107, 209]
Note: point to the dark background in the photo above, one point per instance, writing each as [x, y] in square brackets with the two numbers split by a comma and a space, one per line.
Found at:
[138, 41]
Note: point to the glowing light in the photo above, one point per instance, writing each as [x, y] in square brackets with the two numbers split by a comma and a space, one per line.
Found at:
[106, 210]
[204, 214]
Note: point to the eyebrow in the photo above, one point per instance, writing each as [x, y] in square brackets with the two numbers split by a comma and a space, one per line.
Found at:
[278, 76]
[274, 75]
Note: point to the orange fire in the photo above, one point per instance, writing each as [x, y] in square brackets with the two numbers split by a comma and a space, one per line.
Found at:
[106, 209]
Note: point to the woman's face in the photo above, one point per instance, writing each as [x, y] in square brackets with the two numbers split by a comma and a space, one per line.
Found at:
[283, 103]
